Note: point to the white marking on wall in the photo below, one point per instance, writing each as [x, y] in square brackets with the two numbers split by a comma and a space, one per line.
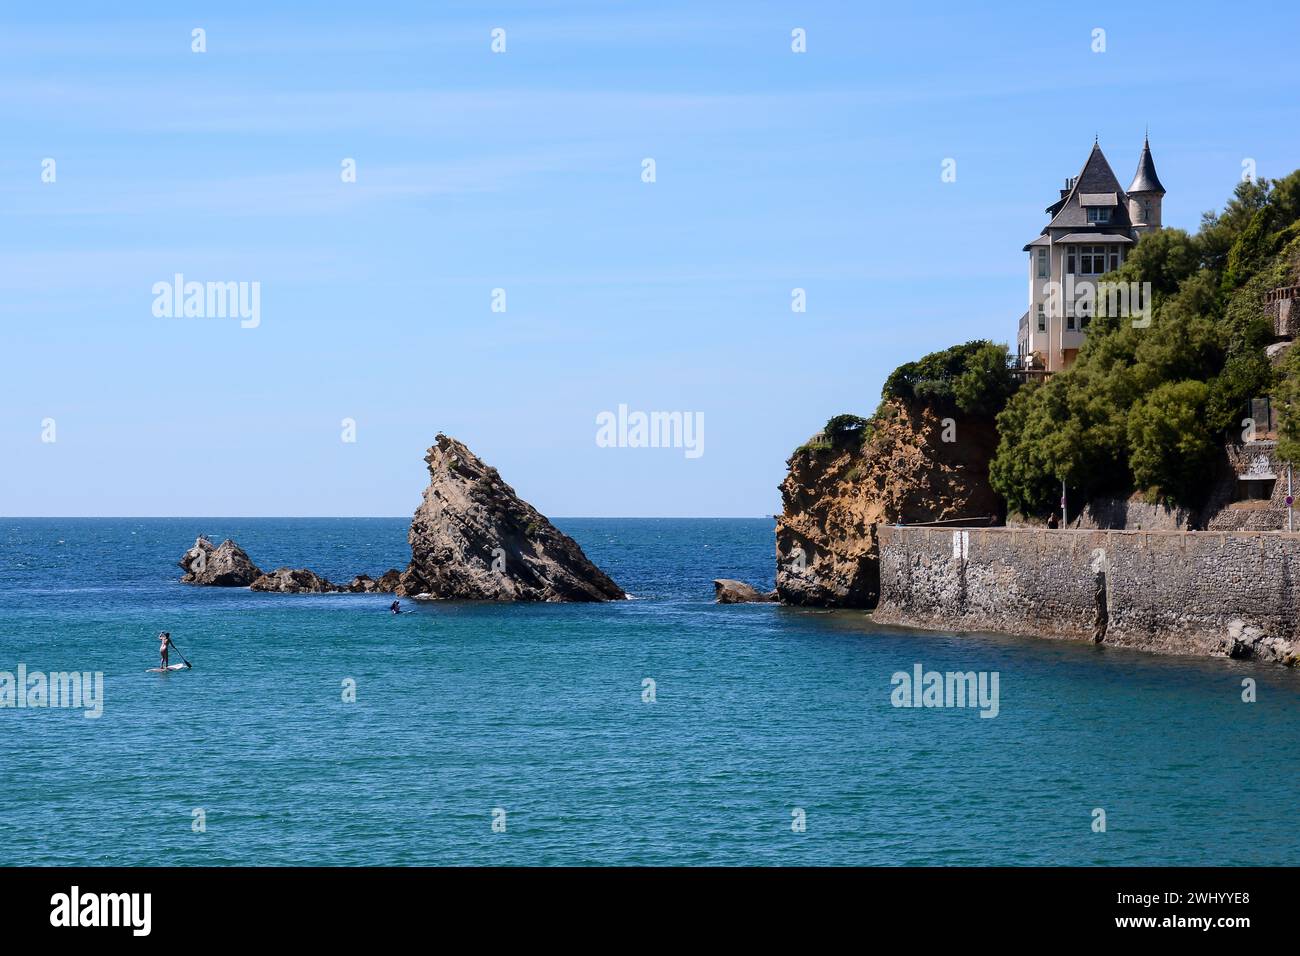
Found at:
[961, 545]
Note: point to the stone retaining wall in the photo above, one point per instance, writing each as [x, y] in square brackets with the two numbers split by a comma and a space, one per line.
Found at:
[1231, 594]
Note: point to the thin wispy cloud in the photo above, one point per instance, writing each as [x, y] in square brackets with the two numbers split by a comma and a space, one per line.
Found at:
[304, 192]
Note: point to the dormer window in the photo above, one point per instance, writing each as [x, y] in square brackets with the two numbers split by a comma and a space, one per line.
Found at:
[1098, 214]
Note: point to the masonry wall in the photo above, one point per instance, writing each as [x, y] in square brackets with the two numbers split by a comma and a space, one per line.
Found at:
[1234, 593]
[1268, 514]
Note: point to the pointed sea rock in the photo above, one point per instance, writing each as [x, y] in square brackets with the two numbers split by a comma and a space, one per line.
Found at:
[473, 538]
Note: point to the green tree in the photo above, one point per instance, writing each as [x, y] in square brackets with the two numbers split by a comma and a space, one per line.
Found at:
[974, 378]
[841, 427]
[1286, 399]
[1171, 449]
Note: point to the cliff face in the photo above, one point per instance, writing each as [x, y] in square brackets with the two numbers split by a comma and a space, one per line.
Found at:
[473, 538]
[826, 548]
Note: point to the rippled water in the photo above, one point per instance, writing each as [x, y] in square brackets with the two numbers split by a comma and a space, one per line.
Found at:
[537, 710]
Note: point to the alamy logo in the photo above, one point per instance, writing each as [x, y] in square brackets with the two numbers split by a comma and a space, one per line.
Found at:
[651, 430]
[179, 299]
[923, 688]
[65, 689]
[1087, 298]
[103, 909]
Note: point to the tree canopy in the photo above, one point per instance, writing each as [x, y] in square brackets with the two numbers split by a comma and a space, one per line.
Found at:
[973, 378]
[1147, 409]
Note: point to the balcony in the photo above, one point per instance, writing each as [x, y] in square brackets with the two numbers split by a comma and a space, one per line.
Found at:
[1028, 367]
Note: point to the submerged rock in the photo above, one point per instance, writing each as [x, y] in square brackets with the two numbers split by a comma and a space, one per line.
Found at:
[473, 538]
[729, 591]
[227, 566]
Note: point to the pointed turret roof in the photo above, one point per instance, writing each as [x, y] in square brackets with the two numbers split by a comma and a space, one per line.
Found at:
[1095, 185]
[1145, 179]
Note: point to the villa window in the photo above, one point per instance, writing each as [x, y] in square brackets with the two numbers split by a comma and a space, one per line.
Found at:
[1069, 319]
[1069, 260]
[1114, 261]
[1042, 318]
[1092, 260]
[1098, 214]
[1042, 264]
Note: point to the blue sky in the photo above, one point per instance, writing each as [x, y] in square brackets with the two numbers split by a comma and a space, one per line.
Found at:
[522, 171]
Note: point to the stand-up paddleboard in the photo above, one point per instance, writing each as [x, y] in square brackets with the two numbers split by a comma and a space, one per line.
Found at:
[169, 667]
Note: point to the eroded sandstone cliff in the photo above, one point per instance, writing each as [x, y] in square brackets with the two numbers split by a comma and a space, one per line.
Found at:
[900, 470]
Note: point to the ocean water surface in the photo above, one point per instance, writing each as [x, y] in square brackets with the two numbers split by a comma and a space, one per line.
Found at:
[463, 710]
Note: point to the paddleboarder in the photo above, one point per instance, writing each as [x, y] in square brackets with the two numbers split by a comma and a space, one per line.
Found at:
[165, 646]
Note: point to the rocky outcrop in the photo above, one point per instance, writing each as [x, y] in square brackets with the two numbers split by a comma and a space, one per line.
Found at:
[473, 538]
[730, 591]
[294, 581]
[230, 566]
[304, 581]
[838, 491]
[365, 584]
[227, 566]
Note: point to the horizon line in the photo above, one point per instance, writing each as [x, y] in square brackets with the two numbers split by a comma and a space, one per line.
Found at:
[369, 517]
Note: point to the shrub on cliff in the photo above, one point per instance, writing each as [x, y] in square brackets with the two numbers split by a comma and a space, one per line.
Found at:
[841, 427]
[973, 378]
[1147, 408]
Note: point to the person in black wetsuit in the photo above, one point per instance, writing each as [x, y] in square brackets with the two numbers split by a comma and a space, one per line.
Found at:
[395, 607]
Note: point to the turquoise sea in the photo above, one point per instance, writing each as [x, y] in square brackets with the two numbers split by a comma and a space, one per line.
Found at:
[465, 709]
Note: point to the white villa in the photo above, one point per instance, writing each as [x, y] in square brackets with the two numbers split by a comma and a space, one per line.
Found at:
[1093, 225]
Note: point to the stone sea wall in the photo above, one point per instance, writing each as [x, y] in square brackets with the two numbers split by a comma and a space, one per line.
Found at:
[1232, 593]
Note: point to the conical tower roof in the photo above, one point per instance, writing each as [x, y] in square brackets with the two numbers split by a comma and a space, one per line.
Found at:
[1145, 179]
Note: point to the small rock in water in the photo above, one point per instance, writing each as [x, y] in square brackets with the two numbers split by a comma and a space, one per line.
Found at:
[294, 581]
[729, 591]
[227, 566]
